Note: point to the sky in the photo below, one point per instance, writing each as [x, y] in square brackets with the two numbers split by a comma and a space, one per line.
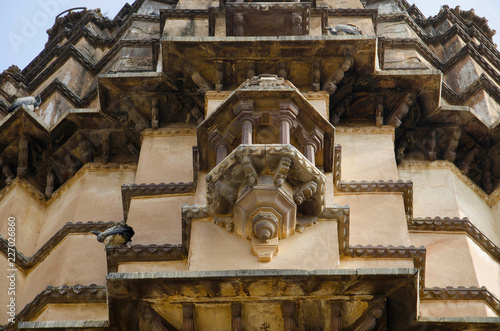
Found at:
[24, 22]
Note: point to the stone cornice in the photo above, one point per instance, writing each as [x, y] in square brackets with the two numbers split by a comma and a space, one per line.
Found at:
[170, 132]
[27, 263]
[462, 293]
[418, 255]
[491, 199]
[60, 295]
[456, 224]
[386, 129]
[139, 253]
[147, 190]
[341, 214]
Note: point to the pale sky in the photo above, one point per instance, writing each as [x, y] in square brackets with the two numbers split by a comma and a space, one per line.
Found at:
[24, 22]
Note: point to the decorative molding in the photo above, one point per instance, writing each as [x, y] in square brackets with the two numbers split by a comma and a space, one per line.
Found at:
[141, 253]
[462, 293]
[59, 295]
[27, 263]
[386, 129]
[456, 224]
[491, 199]
[188, 214]
[341, 214]
[169, 132]
[145, 190]
[418, 254]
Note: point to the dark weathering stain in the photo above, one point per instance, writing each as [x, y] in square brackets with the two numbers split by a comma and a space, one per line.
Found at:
[190, 29]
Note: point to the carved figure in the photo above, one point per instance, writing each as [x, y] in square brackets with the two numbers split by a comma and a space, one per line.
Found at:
[316, 76]
[466, 162]
[297, 24]
[9, 175]
[282, 70]
[344, 106]
[305, 192]
[239, 24]
[251, 70]
[105, 147]
[49, 188]
[155, 114]
[431, 143]
[22, 162]
[407, 144]
[452, 146]
[219, 76]
[344, 29]
[30, 102]
[85, 148]
[118, 234]
[70, 165]
[282, 171]
[487, 177]
[368, 321]
[197, 78]
[379, 117]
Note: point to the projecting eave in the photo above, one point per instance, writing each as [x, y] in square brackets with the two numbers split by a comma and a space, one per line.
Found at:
[202, 55]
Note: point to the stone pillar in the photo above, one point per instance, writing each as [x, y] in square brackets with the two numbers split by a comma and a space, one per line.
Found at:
[219, 144]
[311, 143]
[288, 113]
[244, 115]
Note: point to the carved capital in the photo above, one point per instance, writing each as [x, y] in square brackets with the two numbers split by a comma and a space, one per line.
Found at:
[288, 112]
[282, 171]
[243, 111]
[265, 226]
[401, 110]
[305, 192]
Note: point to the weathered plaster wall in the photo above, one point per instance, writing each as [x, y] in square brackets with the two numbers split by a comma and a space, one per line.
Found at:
[73, 312]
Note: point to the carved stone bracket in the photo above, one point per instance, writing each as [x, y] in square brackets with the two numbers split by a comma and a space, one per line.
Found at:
[141, 253]
[400, 110]
[330, 84]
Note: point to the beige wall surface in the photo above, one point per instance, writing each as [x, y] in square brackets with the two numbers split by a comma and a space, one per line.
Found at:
[455, 308]
[213, 248]
[367, 156]
[158, 220]
[166, 159]
[73, 312]
[376, 219]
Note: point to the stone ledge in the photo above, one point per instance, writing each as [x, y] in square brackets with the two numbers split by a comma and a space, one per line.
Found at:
[87, 325]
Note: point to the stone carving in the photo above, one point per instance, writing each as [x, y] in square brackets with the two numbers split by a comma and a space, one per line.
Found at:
[305, 192]
[288, 309]
[282, 171]
[249, 170]
[251, 72]
[462, 293]
[344, 107]
[336, 315]
[282, 70]
[22, 161]
[265, 226]
[239, 24]
[197, 78]
[105, 147]
[400, 110]
[219, 76]
[487, 176]
[225, 222]
[369, 320]
[331, 82]
[407, 144]
[316, 76]
[379, 114]
[226, 191]
[431, 144]
[85, 148]
[451, 148]
[467, 161]
[187, 317]
[49, 188]
[236, 317]
[337, 171]
[9, 175]
[155, 114]
[297, 28]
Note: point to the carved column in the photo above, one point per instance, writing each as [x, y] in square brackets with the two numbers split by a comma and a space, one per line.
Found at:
[219, 75]
[244, 115]
[219, 144]
[288, 308]
[239, 24]
[236, 316]
[311, 143]
[187, 317]
[155, 114]
[401, 110]
[22, 161]
[288, 113]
